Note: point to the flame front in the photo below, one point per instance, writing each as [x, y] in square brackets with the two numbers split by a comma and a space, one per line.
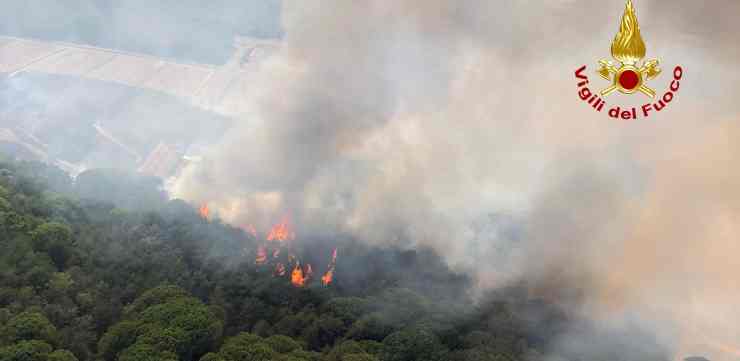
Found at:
[269, 253]
[628, 46]
[327, 278]
[204, 212]
[297, 278]
[281, 232]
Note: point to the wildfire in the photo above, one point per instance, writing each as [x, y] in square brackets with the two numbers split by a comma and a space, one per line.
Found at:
[261, 255]
[270, 253]
[328, 277]
[281, 232]
[204, 211]
[297, 278]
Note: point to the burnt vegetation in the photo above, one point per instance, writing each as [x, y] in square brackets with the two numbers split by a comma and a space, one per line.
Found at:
[107, 268]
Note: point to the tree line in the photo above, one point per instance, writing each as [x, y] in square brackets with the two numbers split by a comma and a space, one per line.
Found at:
[105, 267]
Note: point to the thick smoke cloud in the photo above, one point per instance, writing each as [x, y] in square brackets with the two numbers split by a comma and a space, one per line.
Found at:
[410, 121]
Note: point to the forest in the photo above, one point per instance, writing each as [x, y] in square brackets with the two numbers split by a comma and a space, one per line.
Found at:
[106, 267]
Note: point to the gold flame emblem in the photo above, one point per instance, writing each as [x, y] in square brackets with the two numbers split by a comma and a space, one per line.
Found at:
[629, 49]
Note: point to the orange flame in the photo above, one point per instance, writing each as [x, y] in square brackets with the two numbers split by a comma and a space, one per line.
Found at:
[297, 278]
[204, 211]
[329, 275]
[281, 232]
[261, 255]
[327, 278]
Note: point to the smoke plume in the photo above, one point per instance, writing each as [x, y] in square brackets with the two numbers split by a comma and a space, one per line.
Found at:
[410, 121]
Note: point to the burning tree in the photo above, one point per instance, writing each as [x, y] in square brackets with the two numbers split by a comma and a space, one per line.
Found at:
[276, 240]
[204, 211]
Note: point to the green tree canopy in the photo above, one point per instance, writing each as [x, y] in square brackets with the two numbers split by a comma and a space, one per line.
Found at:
[55, 239]
[282, 344]
[413, 345]
[166, 319]
[155, 296]
[29, 326]
[34, 350]
[61, 355]
[145, 352]
[236, 348]
[119, 337]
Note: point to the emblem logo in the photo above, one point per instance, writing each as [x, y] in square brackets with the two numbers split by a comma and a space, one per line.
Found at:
[629, 74]
[629, 49]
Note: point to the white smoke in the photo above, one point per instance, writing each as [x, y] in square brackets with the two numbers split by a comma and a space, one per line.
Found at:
[409, 120]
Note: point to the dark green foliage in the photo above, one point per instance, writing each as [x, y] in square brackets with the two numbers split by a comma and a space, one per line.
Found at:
[359, 357]
[26, 351]
[302, 355]
[323, 332]
[247, 346]
[282, 344]
[165, 319]
[173, 339]
[343, 350]
[348, 309]
[211, 356]
[371, 327]
[237, 347]
[371, 347]
[56, 240]
[118, 338]
[61, 355]
[145, 352]
[186, 324]
[106, 268]
[258, 352]
[413, 344]
[48, 234]
[29, 326]
[156, 296]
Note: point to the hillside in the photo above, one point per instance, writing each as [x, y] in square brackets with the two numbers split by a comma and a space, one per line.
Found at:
[107, 268]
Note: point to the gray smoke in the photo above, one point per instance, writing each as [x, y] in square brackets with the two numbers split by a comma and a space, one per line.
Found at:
[415, 121]
[410, 121]
[184, 29]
